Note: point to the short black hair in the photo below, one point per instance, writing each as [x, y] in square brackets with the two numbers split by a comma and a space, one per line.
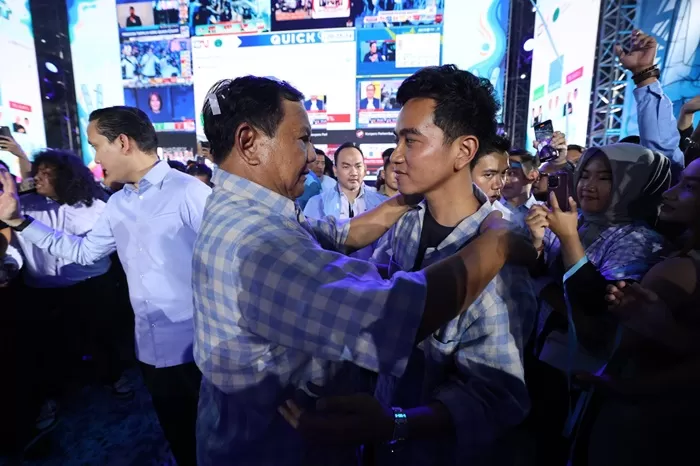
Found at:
[177, 165]
[386, 156]
[72, 181]
[464, 103]
[199, 169]
[319, 151]
[631, 140]
[256, 101]
[130, 121]
[343, 146]
[528, 160]
[497, 144]
[575, 147]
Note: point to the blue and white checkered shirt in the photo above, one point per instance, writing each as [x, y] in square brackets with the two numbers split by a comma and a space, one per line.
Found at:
[473, 365]
[275, 308]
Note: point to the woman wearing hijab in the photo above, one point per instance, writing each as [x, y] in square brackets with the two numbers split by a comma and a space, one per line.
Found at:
[651, 417]
[619, 188]
[610, 238]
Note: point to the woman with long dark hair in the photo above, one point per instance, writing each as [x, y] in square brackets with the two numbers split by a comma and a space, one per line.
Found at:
[67, 309]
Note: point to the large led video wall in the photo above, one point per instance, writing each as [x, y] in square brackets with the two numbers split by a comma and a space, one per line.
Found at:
[348, 57]
[20, 94]
[566, 33]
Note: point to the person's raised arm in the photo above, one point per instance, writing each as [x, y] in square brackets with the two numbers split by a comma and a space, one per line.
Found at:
[360, 231]
[85, 250]
[10, 145]
[657, 122]
[338, 308]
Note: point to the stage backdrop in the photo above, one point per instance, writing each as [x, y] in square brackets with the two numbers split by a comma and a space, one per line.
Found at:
[347, 58]
[566, 33]
[20, 94]
[675, 25]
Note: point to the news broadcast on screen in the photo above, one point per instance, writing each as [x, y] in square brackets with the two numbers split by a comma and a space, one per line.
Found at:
[356, 55]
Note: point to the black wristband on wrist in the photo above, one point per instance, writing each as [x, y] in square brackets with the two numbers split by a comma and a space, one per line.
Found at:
[27, 221]
[652, 72]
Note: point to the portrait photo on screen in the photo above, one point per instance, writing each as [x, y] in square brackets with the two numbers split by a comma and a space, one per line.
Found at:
[149, 18]
[315, 103]
[135, 14]
[314, 14]
[378, 14]
[376, 103]
[144, 62]
[229, 16]
[375, 51]
[170, 108]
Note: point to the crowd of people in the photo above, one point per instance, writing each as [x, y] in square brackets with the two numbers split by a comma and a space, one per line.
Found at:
[287, 313]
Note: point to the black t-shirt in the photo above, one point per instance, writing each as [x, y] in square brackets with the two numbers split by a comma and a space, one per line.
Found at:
[431, 236]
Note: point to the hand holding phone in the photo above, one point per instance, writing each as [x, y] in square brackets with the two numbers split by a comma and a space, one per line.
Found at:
[559, 185]
[563, 223]
[544, 132]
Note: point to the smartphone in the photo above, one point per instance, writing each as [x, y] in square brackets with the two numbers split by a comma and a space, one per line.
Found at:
[560, 184]
[206, 145]
[5, 131]
[544, 132]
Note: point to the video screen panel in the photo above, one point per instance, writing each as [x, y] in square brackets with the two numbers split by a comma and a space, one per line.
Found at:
[560, 86]
[139, 18]
[400, 50]
[276, 55]
[215, 17]
[376, 103]
[378, 14]
[347, 56]
[156, 62]
[20, 95]
[290, 15]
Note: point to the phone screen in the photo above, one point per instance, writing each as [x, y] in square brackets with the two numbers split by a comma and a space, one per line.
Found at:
[544, 132]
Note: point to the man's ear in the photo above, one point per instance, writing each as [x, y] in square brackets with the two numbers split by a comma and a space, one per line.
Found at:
[247, 142]
[467, 149]
[335, 171]
[126, 144]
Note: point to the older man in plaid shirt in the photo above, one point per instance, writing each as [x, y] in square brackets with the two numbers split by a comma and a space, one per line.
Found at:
[276, 306]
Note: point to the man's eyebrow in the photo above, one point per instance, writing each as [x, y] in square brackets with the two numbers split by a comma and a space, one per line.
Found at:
[407, 131]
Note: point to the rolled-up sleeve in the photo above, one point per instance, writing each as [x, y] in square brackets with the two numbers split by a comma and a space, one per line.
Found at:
[84, 250]
[487, 395]
[328, 305]
[657, 125]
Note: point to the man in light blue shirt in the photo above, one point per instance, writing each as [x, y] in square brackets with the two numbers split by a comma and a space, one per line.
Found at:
[517, 191]
[152, 224]
[350, 196]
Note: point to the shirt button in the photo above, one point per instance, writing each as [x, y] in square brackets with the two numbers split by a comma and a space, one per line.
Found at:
[141, 275]
[153, 325]
[140, 197]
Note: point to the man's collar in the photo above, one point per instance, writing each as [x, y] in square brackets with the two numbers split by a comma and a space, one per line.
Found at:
[154, 177]
[235, 186]
[359, 195]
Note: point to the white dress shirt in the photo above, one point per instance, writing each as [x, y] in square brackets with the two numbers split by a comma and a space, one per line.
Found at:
[41, 268]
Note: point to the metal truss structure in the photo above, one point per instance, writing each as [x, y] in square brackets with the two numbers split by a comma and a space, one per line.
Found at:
[517, 92]
[617, 21]
[50, 24]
